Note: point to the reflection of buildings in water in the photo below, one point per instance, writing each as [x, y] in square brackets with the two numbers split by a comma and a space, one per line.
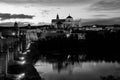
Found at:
[70, 65]
[110, 77]
[59, 66]
[65, 63]
[82, 67]
[88, 70]
[65, 66]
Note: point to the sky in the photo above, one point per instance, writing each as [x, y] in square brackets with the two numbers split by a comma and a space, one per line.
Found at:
[42, 11]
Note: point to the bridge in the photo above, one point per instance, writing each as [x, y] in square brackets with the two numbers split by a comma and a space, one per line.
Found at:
[14, 48]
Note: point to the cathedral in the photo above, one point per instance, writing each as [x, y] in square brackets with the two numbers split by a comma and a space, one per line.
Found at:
[68, 22]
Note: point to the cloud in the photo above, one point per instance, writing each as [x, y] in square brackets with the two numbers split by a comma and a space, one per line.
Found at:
[48, 2]
[106, 5]
[45, 12]
[100, 15]
[10, 24]
[4, 16]
[109, 21]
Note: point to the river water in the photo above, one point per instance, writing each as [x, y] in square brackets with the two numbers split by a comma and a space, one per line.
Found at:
[77, 68]
[94, 60]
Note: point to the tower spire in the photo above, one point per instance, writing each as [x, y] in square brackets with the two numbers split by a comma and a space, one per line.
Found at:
[15, 24]
[57, 17]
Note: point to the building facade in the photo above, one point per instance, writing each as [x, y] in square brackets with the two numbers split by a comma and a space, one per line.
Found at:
[68, 22]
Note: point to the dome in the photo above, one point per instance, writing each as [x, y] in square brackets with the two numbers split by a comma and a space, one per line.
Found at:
[69, 16]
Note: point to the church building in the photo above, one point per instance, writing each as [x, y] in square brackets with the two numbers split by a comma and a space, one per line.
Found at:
[68, 22]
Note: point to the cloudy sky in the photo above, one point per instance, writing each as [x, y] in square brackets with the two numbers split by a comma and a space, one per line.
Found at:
[39, 11]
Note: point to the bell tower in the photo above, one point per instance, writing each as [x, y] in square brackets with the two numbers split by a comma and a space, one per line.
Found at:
[16, 28]
[16, 25]
[57, 17]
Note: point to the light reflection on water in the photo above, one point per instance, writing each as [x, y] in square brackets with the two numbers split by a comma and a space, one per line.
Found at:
[89, 70]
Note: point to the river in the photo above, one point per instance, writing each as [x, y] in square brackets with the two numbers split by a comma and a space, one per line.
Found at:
[55, 66]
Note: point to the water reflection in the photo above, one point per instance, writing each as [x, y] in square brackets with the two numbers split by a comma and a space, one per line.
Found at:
[22, 72]
[110, 77]
[76, 67]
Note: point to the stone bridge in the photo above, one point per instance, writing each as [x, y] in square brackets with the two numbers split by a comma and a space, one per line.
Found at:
[11, 47]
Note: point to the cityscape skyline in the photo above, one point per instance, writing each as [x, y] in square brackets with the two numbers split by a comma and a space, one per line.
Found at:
[43, 11]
